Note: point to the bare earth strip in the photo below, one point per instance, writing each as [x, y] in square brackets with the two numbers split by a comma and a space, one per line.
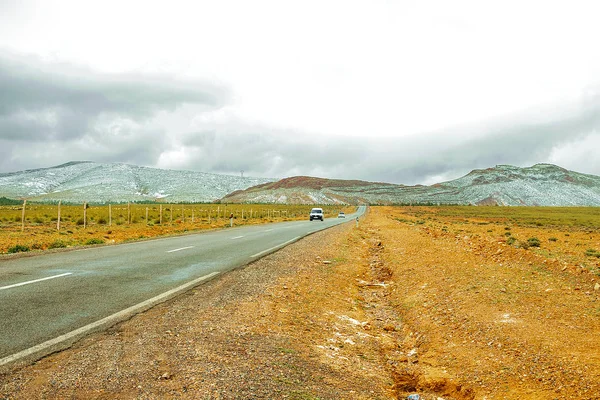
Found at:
[377, 312]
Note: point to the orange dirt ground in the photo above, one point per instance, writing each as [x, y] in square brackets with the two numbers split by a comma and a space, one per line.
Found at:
[408, 302]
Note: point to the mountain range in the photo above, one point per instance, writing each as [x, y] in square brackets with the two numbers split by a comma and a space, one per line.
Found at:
[539, 185]
[84, 181]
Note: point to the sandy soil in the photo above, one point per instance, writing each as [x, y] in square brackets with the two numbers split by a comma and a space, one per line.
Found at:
[443, 308]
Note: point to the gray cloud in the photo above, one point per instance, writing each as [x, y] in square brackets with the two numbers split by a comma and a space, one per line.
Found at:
[523, 140]
[77, 111]
[53, 114]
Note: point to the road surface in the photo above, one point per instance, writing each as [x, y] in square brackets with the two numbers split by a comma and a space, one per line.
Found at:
[49, 301]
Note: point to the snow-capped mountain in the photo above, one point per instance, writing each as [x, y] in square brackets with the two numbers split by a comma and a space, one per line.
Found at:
[99, 183]
[541, 184]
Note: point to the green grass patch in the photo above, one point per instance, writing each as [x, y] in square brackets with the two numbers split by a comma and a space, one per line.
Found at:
[58, 244]
[18, 248]
[94, 241]
[592, 253]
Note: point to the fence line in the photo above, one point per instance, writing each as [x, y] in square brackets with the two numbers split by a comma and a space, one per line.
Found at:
[32, 214]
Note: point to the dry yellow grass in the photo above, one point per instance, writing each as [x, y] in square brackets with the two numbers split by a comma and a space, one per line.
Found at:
[126, 223]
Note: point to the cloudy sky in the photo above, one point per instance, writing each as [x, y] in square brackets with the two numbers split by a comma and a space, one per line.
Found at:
[395, 91]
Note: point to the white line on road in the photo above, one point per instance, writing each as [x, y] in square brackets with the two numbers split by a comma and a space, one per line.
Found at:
[34, 281]
[183, 248]
[105, 322]
[275, 247]
[237, 237]
[268, 230]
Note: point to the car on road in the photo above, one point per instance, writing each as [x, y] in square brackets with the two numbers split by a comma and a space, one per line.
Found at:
[341, 215]
[316, 213]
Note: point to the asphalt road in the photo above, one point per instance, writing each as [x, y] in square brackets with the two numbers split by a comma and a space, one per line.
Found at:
[50, 300]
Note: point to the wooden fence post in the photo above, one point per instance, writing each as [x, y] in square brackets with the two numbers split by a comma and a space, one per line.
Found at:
[160, 215]
[109, 214]
[146, 215]
[171, 208]
[58, 218]
[84, 215]
[128, 213]
[23, 216]
[182, 214]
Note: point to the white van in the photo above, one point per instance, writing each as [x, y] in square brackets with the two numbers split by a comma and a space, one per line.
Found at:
[316, 213]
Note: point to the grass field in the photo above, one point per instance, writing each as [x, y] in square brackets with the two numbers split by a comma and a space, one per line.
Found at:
[571, 232]
[575, 217]
[122, 222]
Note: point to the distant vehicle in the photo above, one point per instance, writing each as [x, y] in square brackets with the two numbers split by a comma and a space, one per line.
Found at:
[316, 213]
[341, 215]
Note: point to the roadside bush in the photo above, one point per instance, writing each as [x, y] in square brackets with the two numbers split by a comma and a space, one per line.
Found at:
[102, 221]
[533, 242]
[510, 241]
[94, 241]
[18, 248]
[553, 239]
[57, 244]
[79, 221]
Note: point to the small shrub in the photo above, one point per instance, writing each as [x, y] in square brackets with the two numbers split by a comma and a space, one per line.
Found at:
[94, 241]
[80, 221]
[36, 246]
[524, 245]
[102, 221]
[553, 239]
[533, 242]
[38, 220]
[507, 234]
[18, 248]
[592, 253]
[57, 244]
[510, 241]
